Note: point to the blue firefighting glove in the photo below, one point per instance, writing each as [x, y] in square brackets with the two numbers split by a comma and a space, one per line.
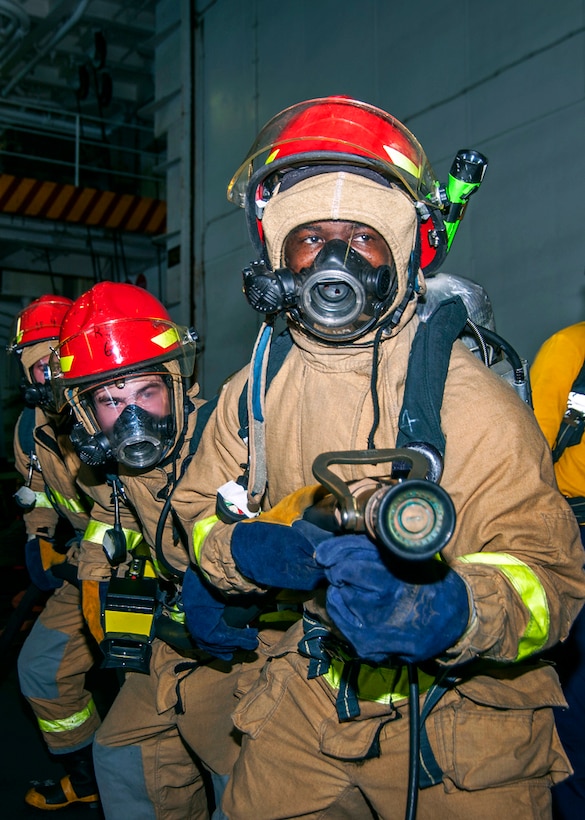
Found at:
[204, 613]
[409, 612]
[277, 549]
[40, 555]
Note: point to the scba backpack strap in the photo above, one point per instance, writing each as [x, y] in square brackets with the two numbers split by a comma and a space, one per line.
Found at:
[573, 423]
[279, 350]
[26, 426]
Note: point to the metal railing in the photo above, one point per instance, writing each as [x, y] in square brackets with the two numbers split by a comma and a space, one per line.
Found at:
[42, 142]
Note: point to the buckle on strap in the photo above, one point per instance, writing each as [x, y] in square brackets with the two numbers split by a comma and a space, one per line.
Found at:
[313, 645]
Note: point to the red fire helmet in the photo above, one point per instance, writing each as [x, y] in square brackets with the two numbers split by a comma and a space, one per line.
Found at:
[340, 131]
[116, 327]
[40, 321]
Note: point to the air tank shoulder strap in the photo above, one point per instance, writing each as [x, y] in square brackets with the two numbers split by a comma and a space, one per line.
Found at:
[420, 416]
[573, 423]
[26, 426]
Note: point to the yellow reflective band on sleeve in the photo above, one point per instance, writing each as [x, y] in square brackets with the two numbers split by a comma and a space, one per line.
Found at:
[42, 500]
[280, 616]
[177, 617]
[200, 532]
[379, 684]
[71, 504]
[95, 532]
[526, 583]
[69, 723]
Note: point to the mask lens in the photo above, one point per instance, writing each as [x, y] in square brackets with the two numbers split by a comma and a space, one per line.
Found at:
[135, 415]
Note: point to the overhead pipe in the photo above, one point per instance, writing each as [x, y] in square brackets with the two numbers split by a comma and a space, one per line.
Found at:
[57, 37]
[13, 32]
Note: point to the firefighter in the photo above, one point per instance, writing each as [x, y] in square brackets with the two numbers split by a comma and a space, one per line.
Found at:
[558, 389]
[125, 368]
[59, 650]
[345, 217]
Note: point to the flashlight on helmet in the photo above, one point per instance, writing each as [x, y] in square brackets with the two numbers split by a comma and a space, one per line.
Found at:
[465, 176]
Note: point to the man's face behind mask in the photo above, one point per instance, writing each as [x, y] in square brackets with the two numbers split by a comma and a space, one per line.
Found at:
[148, 392]
[304, 243]
[347, 278]
[135, 414]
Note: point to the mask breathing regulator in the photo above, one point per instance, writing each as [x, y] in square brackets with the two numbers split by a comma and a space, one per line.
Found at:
[340, 297]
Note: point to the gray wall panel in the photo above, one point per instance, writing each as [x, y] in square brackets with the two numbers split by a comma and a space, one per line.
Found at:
[505, 77]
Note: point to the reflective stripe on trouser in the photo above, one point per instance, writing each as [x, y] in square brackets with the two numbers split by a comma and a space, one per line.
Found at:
[52, 666]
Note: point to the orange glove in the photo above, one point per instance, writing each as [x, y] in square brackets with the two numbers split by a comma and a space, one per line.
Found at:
[292, 506]
[93, 595]
[49, 555]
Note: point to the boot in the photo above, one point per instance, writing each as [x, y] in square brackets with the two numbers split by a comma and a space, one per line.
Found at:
[77, 786]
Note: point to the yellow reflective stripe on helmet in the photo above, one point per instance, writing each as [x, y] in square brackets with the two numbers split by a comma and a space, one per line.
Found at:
[71, 504]
[527, 585]
[42, 500]
[380, 684]
[96, 530]
[200, 532]
[402, 161]
[65, 363]
[166, 338]
[71, 722]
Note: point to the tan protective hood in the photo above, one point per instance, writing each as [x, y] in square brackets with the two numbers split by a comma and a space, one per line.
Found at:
[31, 354]
[349, 197]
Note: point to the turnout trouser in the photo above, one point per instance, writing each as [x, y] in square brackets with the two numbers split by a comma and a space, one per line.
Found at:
[52, 666]
[163, 730]
[299, 760]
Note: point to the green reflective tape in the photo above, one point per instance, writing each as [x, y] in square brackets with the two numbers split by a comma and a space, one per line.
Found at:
[175, 614]
[527, 585]
[96, 530]
[71, 722]
[42, 500]
[380, 684]
[200, 532]
[71, 504]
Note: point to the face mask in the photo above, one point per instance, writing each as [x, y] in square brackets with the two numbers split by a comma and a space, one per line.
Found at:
[338, 299]
[39, 394]
[138, 440]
